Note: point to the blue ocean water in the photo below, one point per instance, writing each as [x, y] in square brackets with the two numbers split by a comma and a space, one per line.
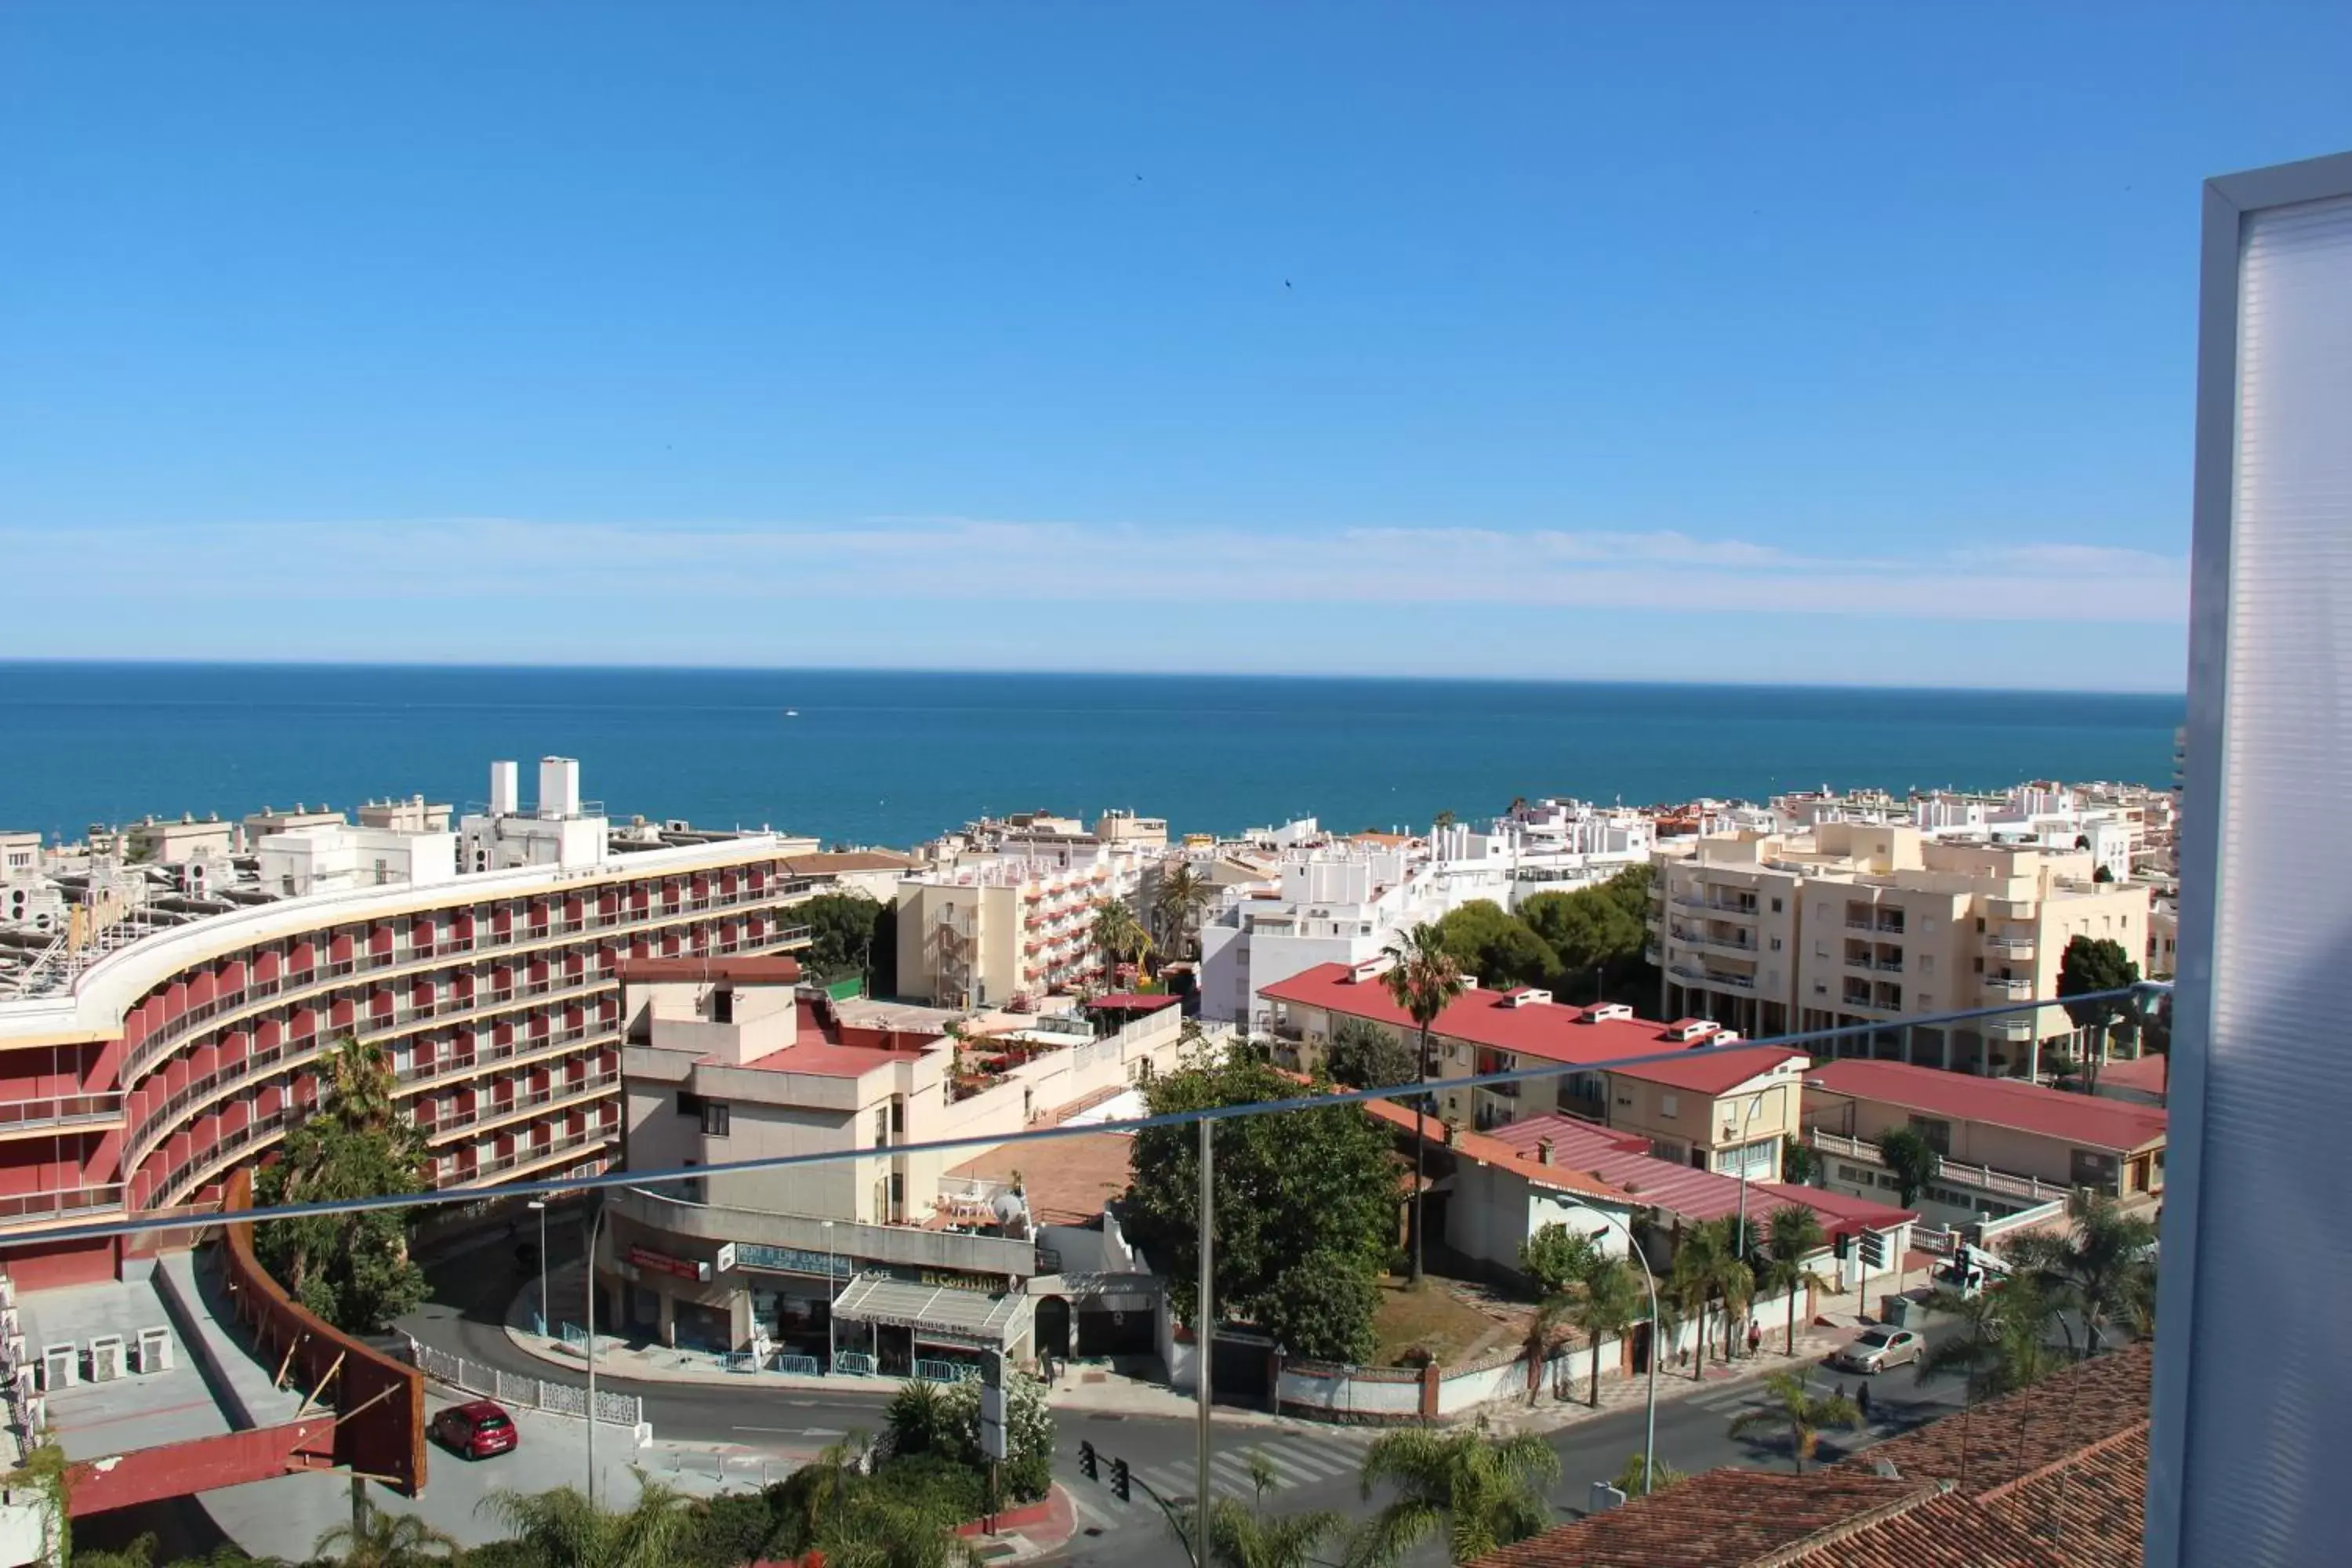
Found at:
[892, 757]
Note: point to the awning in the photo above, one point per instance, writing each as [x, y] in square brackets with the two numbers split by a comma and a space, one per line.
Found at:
[935, 1312]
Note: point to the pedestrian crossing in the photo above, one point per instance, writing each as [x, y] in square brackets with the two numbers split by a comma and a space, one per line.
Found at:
[1297, 1461]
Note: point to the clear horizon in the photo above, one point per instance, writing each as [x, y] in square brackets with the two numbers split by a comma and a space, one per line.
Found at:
[1471, 344]
[592, 665]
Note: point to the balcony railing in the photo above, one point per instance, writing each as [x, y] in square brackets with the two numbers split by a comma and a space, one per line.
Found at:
[536, 1155]
[61, 1202]
[490, 1112]
[1949, 1171]
[2010, 946]
[59, 1110]
[326, 975]
[1714, 977]
[2012, 990]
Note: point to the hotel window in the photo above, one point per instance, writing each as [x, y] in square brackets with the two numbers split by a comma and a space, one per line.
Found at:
[715, 1118]
[1668, 1105]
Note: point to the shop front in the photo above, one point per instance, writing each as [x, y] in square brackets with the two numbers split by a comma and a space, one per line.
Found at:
[936, 1330]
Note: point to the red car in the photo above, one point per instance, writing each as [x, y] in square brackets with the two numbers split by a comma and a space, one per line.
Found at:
[477, 1430]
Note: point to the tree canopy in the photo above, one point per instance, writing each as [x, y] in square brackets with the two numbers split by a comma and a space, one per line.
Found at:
[1598, 932]
[2093, 965]
[1306, 1206]
[1496, 947]
[1364, 1055]
[1911, 1160]
[353, 1269]
[848, 932]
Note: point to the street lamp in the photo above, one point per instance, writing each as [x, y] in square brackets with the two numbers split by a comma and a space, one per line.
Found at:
[1650, 1425]
[832, 1294]
[539, 1206]
[588, 1271]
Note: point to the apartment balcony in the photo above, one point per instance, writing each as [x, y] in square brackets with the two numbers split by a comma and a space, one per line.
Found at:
[1720, 943]
[526, 1161]
[1718, 979]
[495, 1112]
[60, 1204]
[2010, 946]
[2000, 990]
[1949, 1172]
[32, 1118]
[2010, 1029]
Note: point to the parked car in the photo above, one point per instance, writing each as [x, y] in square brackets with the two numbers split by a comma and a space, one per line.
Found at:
[1877, 1350]
[477, 1430]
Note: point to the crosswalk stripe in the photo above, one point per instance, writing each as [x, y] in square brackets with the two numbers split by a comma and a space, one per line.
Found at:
[1170, 1480]
[1293, 1468]
[1103, 1514]
[1317, 1464]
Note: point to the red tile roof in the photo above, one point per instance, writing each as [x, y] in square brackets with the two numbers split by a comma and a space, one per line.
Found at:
[2079, 1118]
[1622, 1160]
[1715, 1072]
[821, 1060]
[1724, 1519]
[1551, 1031]
[1471, 1145]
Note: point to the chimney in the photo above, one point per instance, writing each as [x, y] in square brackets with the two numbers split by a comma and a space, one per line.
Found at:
[503, 789]
[1543, 1151]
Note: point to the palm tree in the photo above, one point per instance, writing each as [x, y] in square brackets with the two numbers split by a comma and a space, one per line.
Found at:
[377, 1538]
[1707, 1267]
[563, 1527]
[2101, 1265]
[1120, 936]
[1423, 980]
[1243, 1536]
[1792, 1234]
[1801, 1412]
[1484, 1492]
[1183, 894]
[1609, 1301]
[360, 1084]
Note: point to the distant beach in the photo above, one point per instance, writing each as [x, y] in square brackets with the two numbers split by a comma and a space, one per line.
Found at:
[894, 757]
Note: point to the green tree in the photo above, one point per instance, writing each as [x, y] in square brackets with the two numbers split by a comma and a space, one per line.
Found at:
[561, 1528]
[1498, 946]
[1555, 1258]
[1483, 1492]
[2002, 1345]
[915, 1418]
[1423, 980]
[1243, 1535]
[2101, 1267]
[1604, 1305]
[1026, 1473]
[1911, 1160]
[1119, 936]
[1309, 1192]
[1597, 934]
[1792, 1234]
[353, 1269]
[1799, 1165]
[1176, 904]
[903, 1514]
[1797, 1410]
[1365, 1054]
[842, 934]
[1443, 819]
[1708, 1267]
[2093, 965]
[379, 1538]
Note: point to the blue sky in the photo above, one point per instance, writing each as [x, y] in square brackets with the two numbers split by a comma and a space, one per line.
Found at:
[1731, 342]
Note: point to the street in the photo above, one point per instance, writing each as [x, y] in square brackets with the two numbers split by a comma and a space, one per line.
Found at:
[1317, 1464]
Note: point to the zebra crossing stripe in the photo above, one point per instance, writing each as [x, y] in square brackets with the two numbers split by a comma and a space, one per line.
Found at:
[1103, 1514]
[1170, 1480]
[1316, 1463]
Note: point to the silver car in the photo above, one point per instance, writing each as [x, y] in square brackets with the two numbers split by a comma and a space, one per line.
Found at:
[1876, 1350]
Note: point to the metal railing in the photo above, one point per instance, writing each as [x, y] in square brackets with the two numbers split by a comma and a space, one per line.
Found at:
[59, 1110]
[529, 1392]
[493, 1111]
[1951, 1171]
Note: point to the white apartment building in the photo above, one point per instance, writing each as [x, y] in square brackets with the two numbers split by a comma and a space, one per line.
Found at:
[1332, 903]
[1550, 845]
[978, 934]
[331, 859]
[1861, 922]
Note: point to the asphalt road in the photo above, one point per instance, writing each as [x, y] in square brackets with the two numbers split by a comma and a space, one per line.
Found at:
[1316, 1465]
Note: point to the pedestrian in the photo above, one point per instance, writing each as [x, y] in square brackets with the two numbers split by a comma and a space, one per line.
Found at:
[1861, 1399]
[1754, 1338]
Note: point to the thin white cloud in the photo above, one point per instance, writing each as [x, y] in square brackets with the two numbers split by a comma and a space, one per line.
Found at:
[672, 570]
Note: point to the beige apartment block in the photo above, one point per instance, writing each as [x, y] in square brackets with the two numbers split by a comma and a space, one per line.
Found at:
[1861, 924]
[982, 935]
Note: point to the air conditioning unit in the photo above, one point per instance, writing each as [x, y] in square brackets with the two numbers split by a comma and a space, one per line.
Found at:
[153, 1350]
[107, 1361]
[59, 1367]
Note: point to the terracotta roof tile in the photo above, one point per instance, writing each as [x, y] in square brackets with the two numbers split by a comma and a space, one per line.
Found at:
[1724, 1518]
[2020, 1435]
[2087, 1119]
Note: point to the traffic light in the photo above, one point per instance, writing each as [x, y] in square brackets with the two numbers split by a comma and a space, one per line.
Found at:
[1087, 1461]
[1874, 1250]
[1845, 1247]
[1119, 1479]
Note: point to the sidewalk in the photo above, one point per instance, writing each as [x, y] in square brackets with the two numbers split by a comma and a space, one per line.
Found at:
[1619, 1392]
[1079, 1387]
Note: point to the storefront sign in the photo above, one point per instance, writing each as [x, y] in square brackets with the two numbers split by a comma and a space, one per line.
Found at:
[663, 1263]
[790, 1260]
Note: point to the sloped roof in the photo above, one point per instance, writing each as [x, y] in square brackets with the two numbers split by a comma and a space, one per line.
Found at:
[1724, 1519]
[1714, 1072]
[2085, 1120]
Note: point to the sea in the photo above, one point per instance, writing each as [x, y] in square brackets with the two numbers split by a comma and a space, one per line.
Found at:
[894, 757]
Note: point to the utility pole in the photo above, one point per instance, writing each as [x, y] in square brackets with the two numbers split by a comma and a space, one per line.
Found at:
[1206, 1336]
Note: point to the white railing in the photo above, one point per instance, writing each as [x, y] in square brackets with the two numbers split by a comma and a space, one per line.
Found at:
[1950, 1172]
[529, 1392]
[497, 1110]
